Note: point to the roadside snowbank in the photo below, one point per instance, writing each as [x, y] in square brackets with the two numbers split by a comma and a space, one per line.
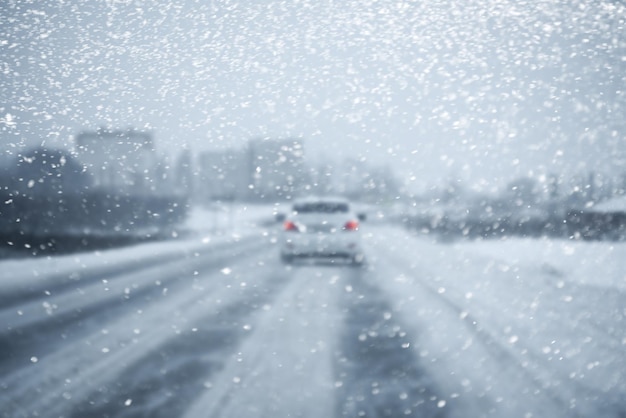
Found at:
[203, 228]
[516, 326]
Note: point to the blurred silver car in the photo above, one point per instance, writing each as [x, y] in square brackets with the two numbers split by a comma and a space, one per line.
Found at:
[322, 227]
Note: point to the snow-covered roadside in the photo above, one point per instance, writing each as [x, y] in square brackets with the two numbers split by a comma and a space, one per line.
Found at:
[594, 263]
[515, 327]
[199, 232]
[99, 354]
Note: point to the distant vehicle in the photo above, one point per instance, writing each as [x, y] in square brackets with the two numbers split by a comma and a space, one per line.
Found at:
[322, 227]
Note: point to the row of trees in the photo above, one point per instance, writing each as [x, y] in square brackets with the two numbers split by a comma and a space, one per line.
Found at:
[46, 194]
[527, 207]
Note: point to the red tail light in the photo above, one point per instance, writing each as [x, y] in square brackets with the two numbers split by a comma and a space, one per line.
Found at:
[290, 226]
[351, 226]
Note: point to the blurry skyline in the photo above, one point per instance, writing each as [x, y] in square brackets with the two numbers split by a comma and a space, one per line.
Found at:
[481, 91]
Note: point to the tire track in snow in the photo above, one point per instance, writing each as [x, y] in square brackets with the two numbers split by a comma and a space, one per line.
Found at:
[44, 324]
[171, 376]
[63, 379]
[380, 374]
[284, 369]
[501, 361]
[71, 280]
[554, 369]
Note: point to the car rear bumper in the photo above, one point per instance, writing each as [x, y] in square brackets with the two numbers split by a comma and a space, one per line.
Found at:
[343, 244]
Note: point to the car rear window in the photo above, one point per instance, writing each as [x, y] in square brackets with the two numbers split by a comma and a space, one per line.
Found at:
[321, 207]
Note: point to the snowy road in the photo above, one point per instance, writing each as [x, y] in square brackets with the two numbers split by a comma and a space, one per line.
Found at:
[219, 328]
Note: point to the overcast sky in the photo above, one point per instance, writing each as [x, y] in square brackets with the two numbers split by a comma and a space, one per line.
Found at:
[479, 90]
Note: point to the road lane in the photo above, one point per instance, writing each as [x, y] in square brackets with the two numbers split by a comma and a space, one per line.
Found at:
[420, 330]
[57, 377]
[284, 368]
[507, 337]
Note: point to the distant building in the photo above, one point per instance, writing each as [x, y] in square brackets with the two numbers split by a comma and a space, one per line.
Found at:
[119, 160]
[276, 168]
[223, 175]
[361, 180]
[268, 169]
[43, 171]
[184, 172]
[322, 180]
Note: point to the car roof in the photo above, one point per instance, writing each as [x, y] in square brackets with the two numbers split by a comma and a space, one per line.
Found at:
[321, 199]
[315, 204]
